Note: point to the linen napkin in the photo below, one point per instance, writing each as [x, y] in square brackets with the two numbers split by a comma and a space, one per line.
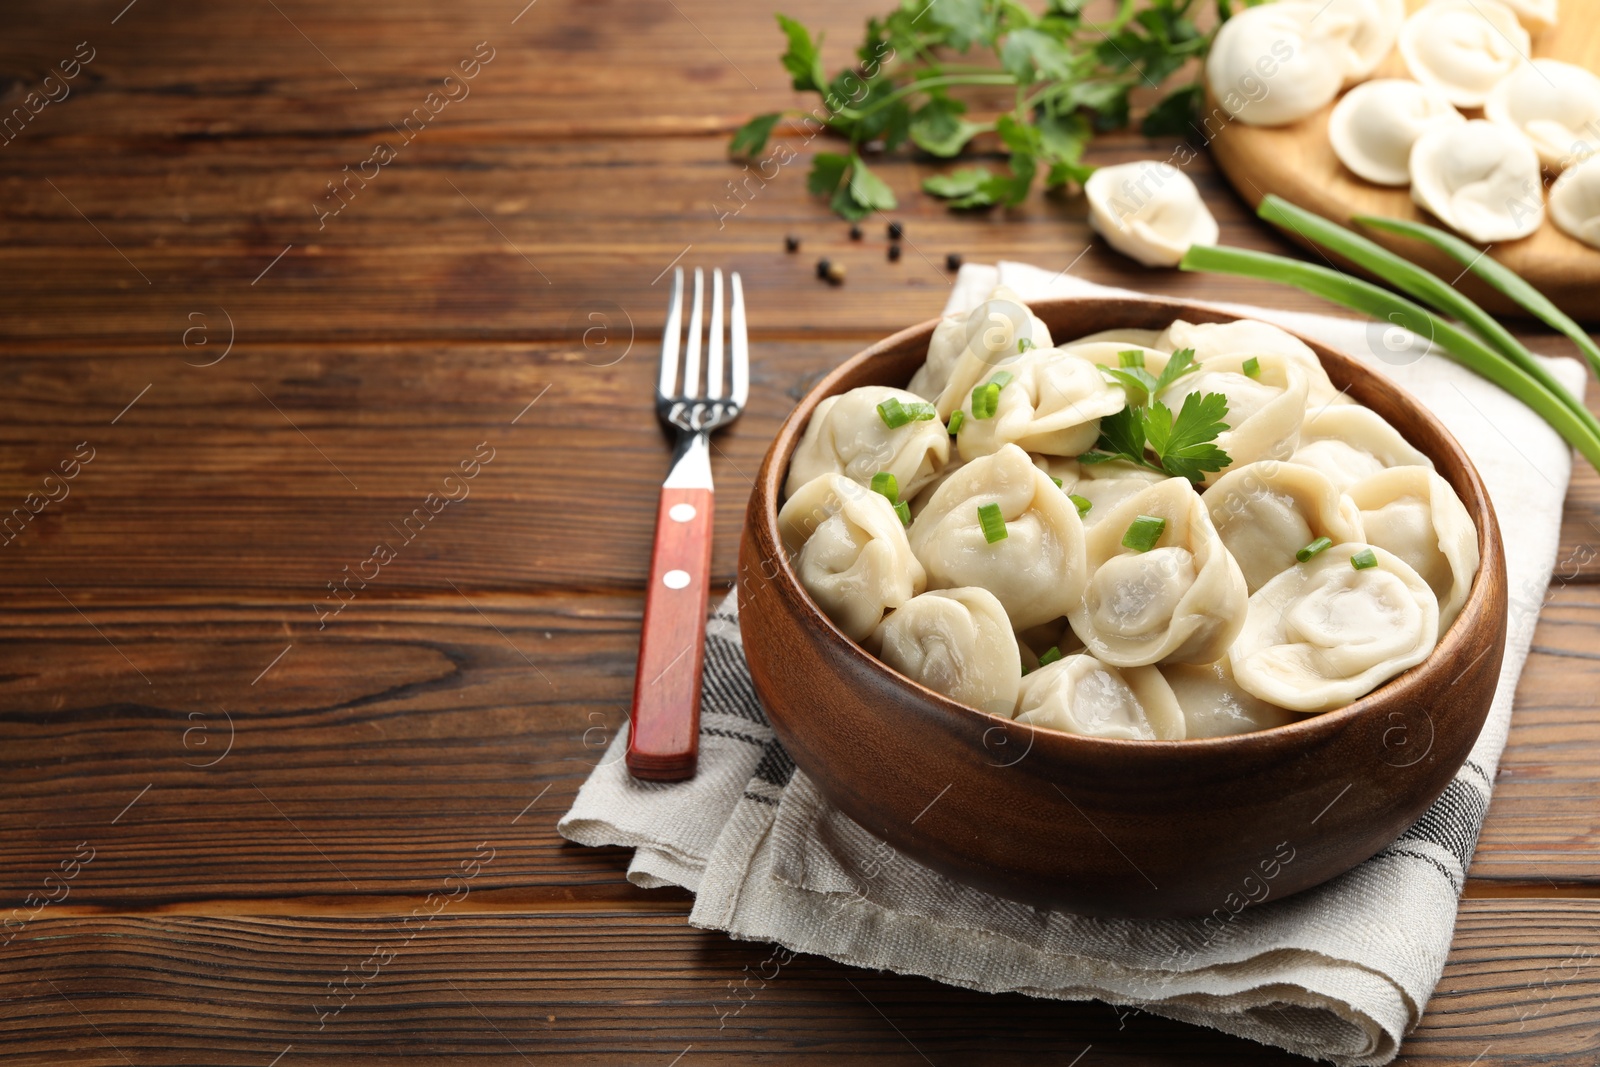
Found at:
[1338, 973]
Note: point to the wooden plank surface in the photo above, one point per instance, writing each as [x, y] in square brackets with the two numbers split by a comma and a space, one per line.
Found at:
[171, 601]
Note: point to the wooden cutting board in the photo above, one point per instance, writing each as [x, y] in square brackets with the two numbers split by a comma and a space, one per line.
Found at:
[1297, 163]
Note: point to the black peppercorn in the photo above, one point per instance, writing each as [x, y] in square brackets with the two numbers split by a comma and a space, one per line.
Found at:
[791, 243]
[823, 266]
[855, 233]
[952, 261]
[836, 273]
[894, 253]
[896, 231]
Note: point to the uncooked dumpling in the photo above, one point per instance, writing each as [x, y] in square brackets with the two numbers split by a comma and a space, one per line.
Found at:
[1079, 694]
[1149, 211]
[848, 435]
[1374, 126]
[1463, 47]
[1575, 201]
[1214, 705]
[1181, 599]
[1555, 105]
[1268, 66]
[1349, 442]
[1361, 32]
[1480, 178]
[1053, 403]
[850, 550]
[1324, 633]
[1267, 512]
[957, 642]
[1036, 570]
[1415, 514]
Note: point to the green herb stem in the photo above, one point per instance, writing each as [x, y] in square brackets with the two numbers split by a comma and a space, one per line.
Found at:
[939, 82]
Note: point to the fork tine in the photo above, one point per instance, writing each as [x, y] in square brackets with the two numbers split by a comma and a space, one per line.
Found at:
[714, 388]
[740, 343]
[670, 337]
[691, 359]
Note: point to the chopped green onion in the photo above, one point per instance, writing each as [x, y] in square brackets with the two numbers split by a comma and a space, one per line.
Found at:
[887, 484]
[1501, 277]
[1315, 548]
[993, 523]
[1053, 478]
[1380, 303]
[1364, 559]
[1023, 344]
[985, 399]
[902, 509]
[1252, 367]
[956, 419]
[1000, 378]
[1050, 656]
[1132, 357]
[1082, 503]
[895, 414]
[1143, 533]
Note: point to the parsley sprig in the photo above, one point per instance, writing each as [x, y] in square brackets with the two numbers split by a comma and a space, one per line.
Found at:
[1070, 77]
[1148, 434]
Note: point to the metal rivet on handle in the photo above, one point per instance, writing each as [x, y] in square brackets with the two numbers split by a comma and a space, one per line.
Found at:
[676, 579]
[681, 512]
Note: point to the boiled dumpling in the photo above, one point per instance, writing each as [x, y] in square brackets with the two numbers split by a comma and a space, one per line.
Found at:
[1182, 599]
[1269, 67]
[1052, 404]
[1248, 337]
[966, 349]
[848, 435]
[850, 550]
[1575, 201]
[1480, 178]
[1264, 409]
[1079, 694]
[1126, 336]
[1266, 512]
[1415, 514]
[1149, 211]
[1105, 485]
[1374, 126]
[1349, 442]
[1554, 105]
[1214, 705]
[1463, 47]
[957, 642]
[1037, 569]
[1324, 633]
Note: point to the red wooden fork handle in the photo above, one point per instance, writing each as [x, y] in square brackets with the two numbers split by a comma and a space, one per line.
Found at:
[664, 739]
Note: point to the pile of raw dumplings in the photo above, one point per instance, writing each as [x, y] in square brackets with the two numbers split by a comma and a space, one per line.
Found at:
[1470, 130]
[1107, 599]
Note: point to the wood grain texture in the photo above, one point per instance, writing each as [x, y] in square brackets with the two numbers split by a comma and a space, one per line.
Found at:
[1297, 162]
[1522, 988]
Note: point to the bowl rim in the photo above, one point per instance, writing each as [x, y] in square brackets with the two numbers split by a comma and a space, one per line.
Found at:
[768, 490]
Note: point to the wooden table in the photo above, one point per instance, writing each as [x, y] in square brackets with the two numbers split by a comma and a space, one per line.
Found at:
[230, 793]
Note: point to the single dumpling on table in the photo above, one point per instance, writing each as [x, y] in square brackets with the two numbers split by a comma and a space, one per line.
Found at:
[849, 548]
[1414, 513]
[1161, 583]
[1044, 401]
[1213, 703]
[1208, 340]
[1266, 394]
[957, 642]
[969, 346]
[1349, 442]
[1080, 694]
[1000, 523]
[1267, 512]
[851, 434]
[1329, 631]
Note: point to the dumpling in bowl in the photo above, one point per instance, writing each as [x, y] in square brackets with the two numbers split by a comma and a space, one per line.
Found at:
[849, 435]
[1350, 442]
[1047, 401]
[1161, 583]
[1266, 394]
[1251, 337]
[850, 550]
[1033, 564]
[1266, 512]
[1414, 513]
[966, 348]
[1105, 485]
[957, 642]
[1213, 703]
[1079, 694]
[1327, 632]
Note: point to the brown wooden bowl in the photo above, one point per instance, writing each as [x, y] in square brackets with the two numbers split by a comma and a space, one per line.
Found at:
[1100, 826]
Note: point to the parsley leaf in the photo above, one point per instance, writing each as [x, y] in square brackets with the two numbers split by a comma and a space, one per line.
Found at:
[1186, 446]
[751, 138]
[1181, 362]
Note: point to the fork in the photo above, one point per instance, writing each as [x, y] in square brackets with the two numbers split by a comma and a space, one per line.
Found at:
[664, 740]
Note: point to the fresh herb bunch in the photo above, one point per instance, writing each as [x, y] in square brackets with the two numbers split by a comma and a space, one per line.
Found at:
[1148, 434]
[1071, 78]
